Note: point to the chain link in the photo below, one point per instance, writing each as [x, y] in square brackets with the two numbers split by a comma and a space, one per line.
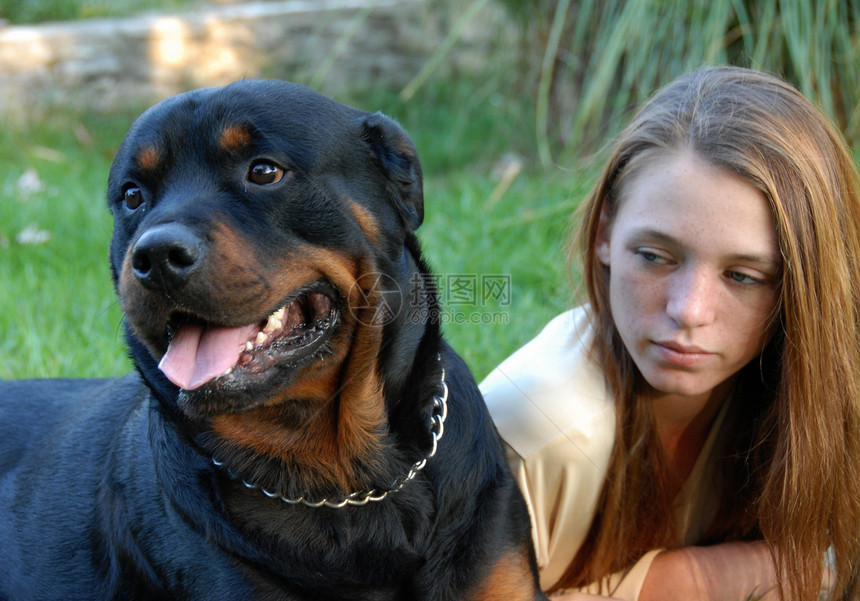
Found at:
[437, 429]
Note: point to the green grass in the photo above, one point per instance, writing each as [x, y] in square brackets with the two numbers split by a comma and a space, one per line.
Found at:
[58, 316]
[58, 313]
[521, 238]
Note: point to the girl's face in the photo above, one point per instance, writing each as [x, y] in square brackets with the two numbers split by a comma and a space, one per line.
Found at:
[694, 265]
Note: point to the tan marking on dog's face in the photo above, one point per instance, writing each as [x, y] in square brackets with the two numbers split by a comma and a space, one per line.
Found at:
[148, 158]
[368, 223]
[234, 138]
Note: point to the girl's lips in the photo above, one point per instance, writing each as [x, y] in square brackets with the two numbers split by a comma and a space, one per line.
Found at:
[681, 348]
[681, 355]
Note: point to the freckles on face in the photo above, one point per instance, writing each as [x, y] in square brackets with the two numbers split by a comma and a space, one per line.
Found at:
[694, 270]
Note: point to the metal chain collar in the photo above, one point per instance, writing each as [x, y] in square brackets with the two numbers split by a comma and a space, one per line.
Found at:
[437, 429]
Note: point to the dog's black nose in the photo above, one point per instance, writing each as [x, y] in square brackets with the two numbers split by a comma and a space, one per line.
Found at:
[165, 256]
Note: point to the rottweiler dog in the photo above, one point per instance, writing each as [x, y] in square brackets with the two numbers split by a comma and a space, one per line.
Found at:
[296, 427]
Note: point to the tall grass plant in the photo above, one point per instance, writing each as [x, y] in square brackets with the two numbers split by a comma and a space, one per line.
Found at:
[588, 63]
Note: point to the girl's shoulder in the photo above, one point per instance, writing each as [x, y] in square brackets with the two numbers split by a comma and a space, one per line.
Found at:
[550, 387]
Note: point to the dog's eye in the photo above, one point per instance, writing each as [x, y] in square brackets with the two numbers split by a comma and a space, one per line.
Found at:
[264, 173]
[133, 197]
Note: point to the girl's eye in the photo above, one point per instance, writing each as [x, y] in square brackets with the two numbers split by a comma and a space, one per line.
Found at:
[264, 173]
[742, 278]
[653, 257]
[133, 196]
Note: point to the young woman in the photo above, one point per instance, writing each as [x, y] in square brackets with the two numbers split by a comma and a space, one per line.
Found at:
[693, 431]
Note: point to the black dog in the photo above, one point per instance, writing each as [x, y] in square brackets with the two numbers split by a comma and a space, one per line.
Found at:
[297, 428]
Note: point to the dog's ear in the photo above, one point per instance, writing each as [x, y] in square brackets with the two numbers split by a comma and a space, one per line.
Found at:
[398, 159]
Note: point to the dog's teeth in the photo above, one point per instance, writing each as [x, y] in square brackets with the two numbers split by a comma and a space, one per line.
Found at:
[249, 346]
[273, 324]
[279, 314]
[228, 372]
[260, 339]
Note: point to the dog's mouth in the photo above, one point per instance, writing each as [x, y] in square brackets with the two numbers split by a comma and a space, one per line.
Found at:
[200, 353]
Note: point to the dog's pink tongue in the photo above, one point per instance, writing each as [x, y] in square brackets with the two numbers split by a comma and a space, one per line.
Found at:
[199, 353]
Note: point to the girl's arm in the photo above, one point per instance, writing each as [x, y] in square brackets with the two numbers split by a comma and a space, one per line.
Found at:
[725, 572]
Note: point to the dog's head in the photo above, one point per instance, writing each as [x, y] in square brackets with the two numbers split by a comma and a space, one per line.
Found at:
[264, 246]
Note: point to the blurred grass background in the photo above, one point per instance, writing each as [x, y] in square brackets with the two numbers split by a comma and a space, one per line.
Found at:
[507, 153]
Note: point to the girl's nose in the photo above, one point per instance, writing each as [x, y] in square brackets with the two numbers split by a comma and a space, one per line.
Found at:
[692, 297]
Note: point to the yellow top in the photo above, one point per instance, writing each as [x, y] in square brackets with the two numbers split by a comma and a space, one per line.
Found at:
[554, 412]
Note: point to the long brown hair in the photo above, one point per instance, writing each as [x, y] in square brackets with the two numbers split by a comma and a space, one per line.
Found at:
[792, 469]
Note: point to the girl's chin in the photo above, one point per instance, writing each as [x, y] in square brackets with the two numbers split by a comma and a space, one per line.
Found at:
[694, 387]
